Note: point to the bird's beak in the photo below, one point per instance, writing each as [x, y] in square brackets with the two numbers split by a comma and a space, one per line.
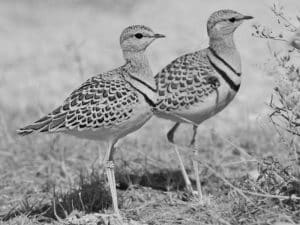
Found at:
[159, 36]
[247, 17]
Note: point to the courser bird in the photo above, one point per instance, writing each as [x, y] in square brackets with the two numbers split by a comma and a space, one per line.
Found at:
[196, 86]
[107, 107]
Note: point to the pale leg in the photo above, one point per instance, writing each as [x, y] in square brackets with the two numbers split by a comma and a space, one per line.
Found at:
[196, 163]
[170, 137]
[187, 181]
[111, 177]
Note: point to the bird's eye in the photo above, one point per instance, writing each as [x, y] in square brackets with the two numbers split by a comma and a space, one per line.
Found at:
[138, 35]
[232, 20]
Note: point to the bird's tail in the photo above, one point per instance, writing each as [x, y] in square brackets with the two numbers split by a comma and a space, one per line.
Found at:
[53, 122]
[42, 125]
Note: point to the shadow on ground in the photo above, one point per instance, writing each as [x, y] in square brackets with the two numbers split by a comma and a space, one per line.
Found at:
[159, 198]
[92, 194]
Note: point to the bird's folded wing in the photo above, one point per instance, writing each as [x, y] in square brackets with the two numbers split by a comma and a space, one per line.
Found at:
[184, 82]
[101, 101]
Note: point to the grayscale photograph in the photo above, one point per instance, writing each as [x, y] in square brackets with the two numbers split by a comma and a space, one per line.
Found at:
[139, 112]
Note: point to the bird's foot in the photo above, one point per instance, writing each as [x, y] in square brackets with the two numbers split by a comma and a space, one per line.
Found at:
[110, 219]
[202, 200]
[94, 218]
[189, 194]
[194, 196]
[116, 219]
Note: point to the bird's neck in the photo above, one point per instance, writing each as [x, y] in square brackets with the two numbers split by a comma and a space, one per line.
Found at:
[225, 47]
[139, 67]
[140, 75]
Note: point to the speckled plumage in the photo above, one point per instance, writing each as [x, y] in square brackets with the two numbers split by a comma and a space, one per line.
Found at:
[196, 86]
[108, 106]
[103, 101]
[191, 89]
[186, 81]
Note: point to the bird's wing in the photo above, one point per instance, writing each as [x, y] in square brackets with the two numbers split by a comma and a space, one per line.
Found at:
[102, 101]
[186, 81]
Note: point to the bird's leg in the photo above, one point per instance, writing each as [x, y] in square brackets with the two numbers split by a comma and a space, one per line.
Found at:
[192, 143]
[196, 163]
[170, 137]
[187, 181]
[109, 164]
[171, 132]
[112, 186]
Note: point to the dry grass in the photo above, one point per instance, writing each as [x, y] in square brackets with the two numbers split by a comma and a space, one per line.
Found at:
[50, 47]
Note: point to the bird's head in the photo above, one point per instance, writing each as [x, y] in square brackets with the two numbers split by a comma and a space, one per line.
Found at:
[224, 22]
[137, 38]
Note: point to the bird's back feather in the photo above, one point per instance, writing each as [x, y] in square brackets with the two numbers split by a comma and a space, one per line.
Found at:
[186, 81]
[105, 100]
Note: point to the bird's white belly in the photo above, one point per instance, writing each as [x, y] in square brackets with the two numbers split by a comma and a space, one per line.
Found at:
[211, 106]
